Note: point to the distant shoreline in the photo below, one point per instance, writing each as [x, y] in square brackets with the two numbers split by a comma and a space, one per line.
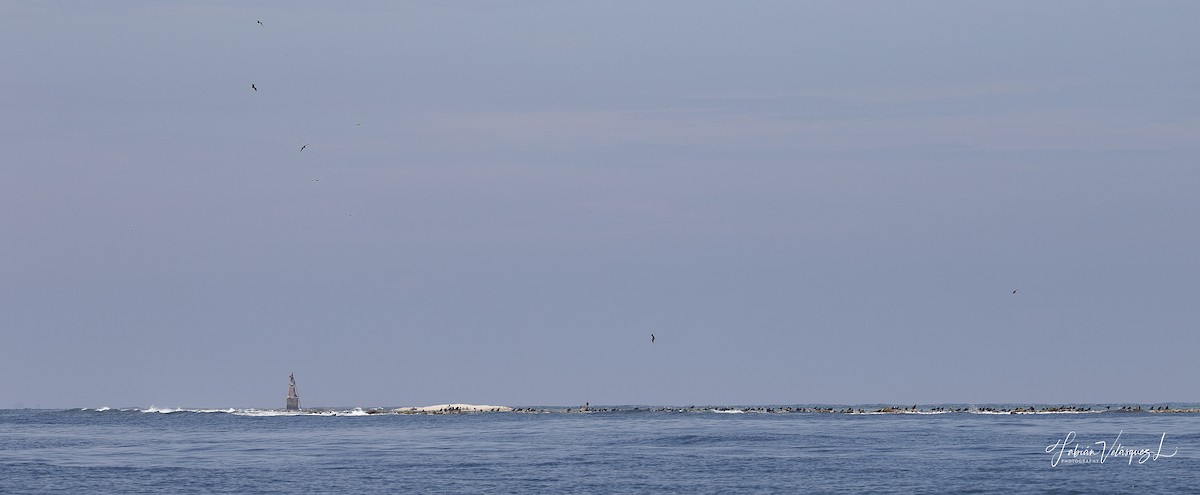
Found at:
[441, 409]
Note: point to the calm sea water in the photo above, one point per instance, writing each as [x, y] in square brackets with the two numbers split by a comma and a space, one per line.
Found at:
[135, 451]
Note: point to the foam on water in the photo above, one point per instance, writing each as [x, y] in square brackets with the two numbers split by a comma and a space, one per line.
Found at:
[932, 410]
[277, 412]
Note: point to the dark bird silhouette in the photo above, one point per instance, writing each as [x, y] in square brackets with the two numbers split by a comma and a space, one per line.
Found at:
[302, 147]
[359, 123]
[651, 338]
[260, 23]
[252, 86]
[1014, 291]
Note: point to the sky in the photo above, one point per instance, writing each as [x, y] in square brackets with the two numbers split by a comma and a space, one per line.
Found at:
[499, 202]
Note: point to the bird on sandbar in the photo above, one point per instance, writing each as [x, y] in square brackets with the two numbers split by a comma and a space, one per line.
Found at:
[651, 338]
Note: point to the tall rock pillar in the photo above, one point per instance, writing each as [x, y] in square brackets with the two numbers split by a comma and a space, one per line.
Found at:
[293, 400]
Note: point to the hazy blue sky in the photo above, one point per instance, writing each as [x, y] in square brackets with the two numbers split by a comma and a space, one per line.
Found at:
[806, 202]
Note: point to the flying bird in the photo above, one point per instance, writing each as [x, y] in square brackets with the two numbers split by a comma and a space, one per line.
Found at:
[260, 23]
[252, 86]
[359, 123]
[302, 147]
[1014, 291]
[651, 338]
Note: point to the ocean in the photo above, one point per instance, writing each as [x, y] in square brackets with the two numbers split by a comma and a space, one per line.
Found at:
[606, 450]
